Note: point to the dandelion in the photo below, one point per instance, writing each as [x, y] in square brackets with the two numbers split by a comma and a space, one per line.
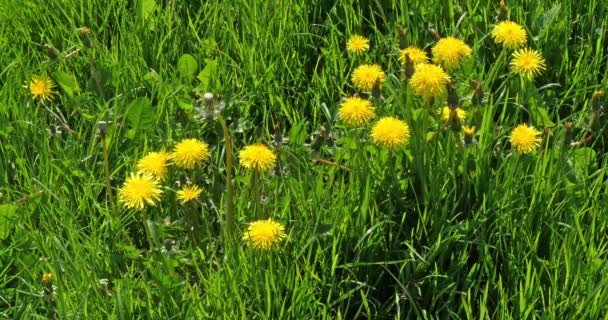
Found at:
[509, 34]
[428, 81]
[417, 55]
[368, 76]
[264, 234]
[138, 190]
[189, 192]
[47, 280]
[469, 132]
[154, 164]
[446, 111]
[257, 157]
[528, 63]
[41, 88]
[357, 44]
[449, 52]
[356, 112]
[189, 153]
[525, 139]
[391, 133]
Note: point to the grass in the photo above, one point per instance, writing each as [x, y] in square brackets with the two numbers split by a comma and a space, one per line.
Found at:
[431, 231]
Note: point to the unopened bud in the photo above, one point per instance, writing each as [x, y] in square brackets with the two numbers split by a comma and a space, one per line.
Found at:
[84, 34]
[478, 93]
[47, 281]
[453, 99]
[596, 100]
[469, 132]
[51, 51]
[435, 35]
[402, 37]
[409, 67]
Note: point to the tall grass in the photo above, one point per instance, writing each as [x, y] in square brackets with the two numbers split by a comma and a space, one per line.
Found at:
[438, 231]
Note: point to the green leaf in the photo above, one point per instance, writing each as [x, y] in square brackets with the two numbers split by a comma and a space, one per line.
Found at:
[67, 82]
[584, 161]
[8, 216]
[187, 66]
[207, 75]
[544, 22]
[184, 103]
[540, 116]
[140, 115]
[147, 8]
[152, 78]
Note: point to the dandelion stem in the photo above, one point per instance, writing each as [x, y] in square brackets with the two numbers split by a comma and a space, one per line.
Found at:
[106, 161]
[229, 191]
[147, 229]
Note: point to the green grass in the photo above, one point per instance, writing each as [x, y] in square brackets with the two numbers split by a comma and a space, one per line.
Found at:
[431, 231]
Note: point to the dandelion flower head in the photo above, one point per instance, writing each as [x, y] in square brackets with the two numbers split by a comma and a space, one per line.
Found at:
[357, 44]
[189, 192]
[417, 55]
[428, 81]
[528, 63]
[139, 190]
[42, 88]
[391, 133]
[155, 164]
[356, 112]
[509, 34]
[264, 234]
[367, 76]
[257, 157]
[449, 52]
[469, 131]
[189, 153]
[445, 113]
[525, 139]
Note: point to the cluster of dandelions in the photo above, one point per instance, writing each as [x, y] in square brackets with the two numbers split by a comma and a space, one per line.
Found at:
[430, 78]
[143, 188]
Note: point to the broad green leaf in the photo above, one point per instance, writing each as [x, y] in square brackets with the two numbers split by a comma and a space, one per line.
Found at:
[8, 216]
[207, 75]
[140, 115]
[187, 66]
[67, 82]
[152, 78]
[147, 8]
[540, 116]
[184, 103]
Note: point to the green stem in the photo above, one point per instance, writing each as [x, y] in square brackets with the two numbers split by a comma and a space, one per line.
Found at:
[95, 74]
[229, 190]
[106, 161]
[147, 229]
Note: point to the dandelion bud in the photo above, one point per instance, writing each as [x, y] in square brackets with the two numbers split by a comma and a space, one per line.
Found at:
[569, 134]
[47, 281]
[51, 51]
[596, 101]
[102, 129]
[84, 34]
[453, 99]
[409, 67]
[402, 37]
[469, 132]
[435, 35]
[502, 12]
[478, 94]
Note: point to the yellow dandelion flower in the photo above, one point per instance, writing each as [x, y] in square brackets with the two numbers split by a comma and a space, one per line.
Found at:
[525, 139]
[417, 55]
[189, 153]
[428, 81]
[445, 113]
[264, 234]
[367, 76]
[391, 133]
[257, 157]
[528, 63]
[189, 192]
[356, 112]
[138, 190]
[449, 52]
[41, 88]
[509, 34]
[154, 164]
[357, 44]
[469, 131]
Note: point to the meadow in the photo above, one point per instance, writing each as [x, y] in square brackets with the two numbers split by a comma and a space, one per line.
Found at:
[319, 159]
